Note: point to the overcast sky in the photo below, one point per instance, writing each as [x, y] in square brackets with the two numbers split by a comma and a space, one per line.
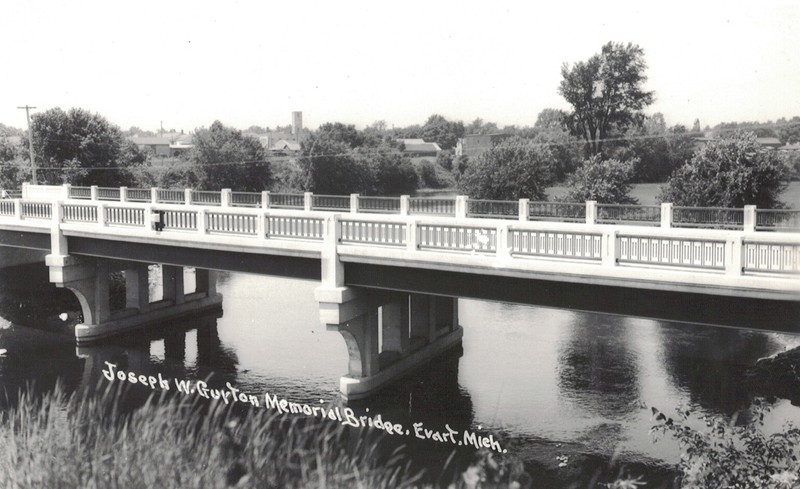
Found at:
[244, 63]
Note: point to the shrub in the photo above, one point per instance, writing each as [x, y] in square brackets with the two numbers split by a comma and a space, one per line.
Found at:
[730, 455]
[605, 181]
[732, 172]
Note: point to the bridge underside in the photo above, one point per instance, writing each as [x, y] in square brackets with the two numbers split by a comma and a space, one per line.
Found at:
[661, 305]
[283, 266]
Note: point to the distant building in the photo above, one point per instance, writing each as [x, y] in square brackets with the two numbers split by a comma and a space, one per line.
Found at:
[773, 143]
[170, 144]
[285, 146]
[475, 144]
[418, 147]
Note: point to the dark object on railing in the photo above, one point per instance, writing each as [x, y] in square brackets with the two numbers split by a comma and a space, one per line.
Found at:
[158, 220]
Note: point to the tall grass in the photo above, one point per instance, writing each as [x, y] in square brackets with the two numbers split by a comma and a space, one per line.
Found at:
[60, 441]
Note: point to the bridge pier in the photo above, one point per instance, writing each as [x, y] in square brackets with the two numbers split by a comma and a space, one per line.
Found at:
[89, 279]
[388, 334]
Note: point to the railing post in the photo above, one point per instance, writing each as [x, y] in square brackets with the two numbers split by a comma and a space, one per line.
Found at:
[67, 188]
[308, 201]
[734, 256]
[25, 190]
[148, 217]
[353, 203]
[749, 218]
[58, 242]
[412, 237]
[123, 194]
[610, 253]
[666, 215]
[187, 196]
[405, 205]
[225, 197]
[502, 242]
[154, 195]
[524, 209]
[101, 213]
[265, 199]
[93, 190]
[461, 206]
[260, 225]
[18, 209]
[332, 267]
[201, 220]
[591, 212]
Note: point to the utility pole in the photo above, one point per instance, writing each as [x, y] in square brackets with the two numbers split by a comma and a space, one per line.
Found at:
[30, 140]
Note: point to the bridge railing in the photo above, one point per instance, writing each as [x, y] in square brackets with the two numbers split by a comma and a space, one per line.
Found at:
[511, 242]
[787, 220]
[666, 215]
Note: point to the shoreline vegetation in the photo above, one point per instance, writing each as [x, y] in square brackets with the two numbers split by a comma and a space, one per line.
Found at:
[92, 439]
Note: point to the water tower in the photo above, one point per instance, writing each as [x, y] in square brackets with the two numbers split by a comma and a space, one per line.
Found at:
[297, 123]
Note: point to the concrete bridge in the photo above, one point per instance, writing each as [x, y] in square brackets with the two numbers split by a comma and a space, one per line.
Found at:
[391, 269]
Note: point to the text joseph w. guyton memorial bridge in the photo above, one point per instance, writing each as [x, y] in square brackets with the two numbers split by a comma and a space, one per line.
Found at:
[391, 268]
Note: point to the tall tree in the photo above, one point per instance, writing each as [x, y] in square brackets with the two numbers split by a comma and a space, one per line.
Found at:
[606, 93]
[82, 148]
[225, 158]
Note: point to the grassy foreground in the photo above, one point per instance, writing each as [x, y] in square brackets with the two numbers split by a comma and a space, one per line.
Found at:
[87, 441]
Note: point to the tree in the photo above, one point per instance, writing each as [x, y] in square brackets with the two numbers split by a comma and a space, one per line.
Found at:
[606, 93]
[551, 130]
[732, 172]
[343, 133]
[512, 169]
[789, 132]
[439, 130]
[390, 171]
[329, 166]
[82, 148]
[604, 181]
[225, 158]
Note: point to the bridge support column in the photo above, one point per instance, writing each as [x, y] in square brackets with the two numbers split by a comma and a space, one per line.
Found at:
[88, 279]
[415, 329]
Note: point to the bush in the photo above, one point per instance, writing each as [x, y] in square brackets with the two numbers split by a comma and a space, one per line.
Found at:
[513, 169]
[727, 455]
[605, 181]
[732, 172]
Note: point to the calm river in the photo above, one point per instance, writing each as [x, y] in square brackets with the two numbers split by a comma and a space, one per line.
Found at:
[550, 382]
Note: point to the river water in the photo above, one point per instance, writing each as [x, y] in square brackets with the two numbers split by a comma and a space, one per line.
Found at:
[548, 382]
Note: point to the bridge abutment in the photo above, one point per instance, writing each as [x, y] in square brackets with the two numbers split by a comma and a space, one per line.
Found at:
[388, 334]
[89, 279]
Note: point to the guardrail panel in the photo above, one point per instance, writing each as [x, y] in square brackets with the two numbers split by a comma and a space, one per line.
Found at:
[674, 252]
[492, 208]
[556, 244]
[383, 205]
[79, 213]
[36, 210]
[439, 207]
[180, 220]
[124, 216]
[7, 207]
[206, 197]
[139, 194]
[708, 217]
[229, 223]
[108, 193]
[287, 201]
[370, 232]
[647, 215]
[557, 211]
[457, 238]
[330, 202]
[80, 192]
[246, 199]
[295, 227]
[770, 257]
[786, 220]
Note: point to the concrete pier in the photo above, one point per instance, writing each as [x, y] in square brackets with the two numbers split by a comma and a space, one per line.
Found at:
[88, 279]
[388, 335]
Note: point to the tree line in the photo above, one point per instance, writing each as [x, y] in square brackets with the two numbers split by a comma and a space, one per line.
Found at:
[597, 150]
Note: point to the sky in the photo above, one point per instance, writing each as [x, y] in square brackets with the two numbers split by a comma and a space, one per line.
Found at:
[253, 63]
